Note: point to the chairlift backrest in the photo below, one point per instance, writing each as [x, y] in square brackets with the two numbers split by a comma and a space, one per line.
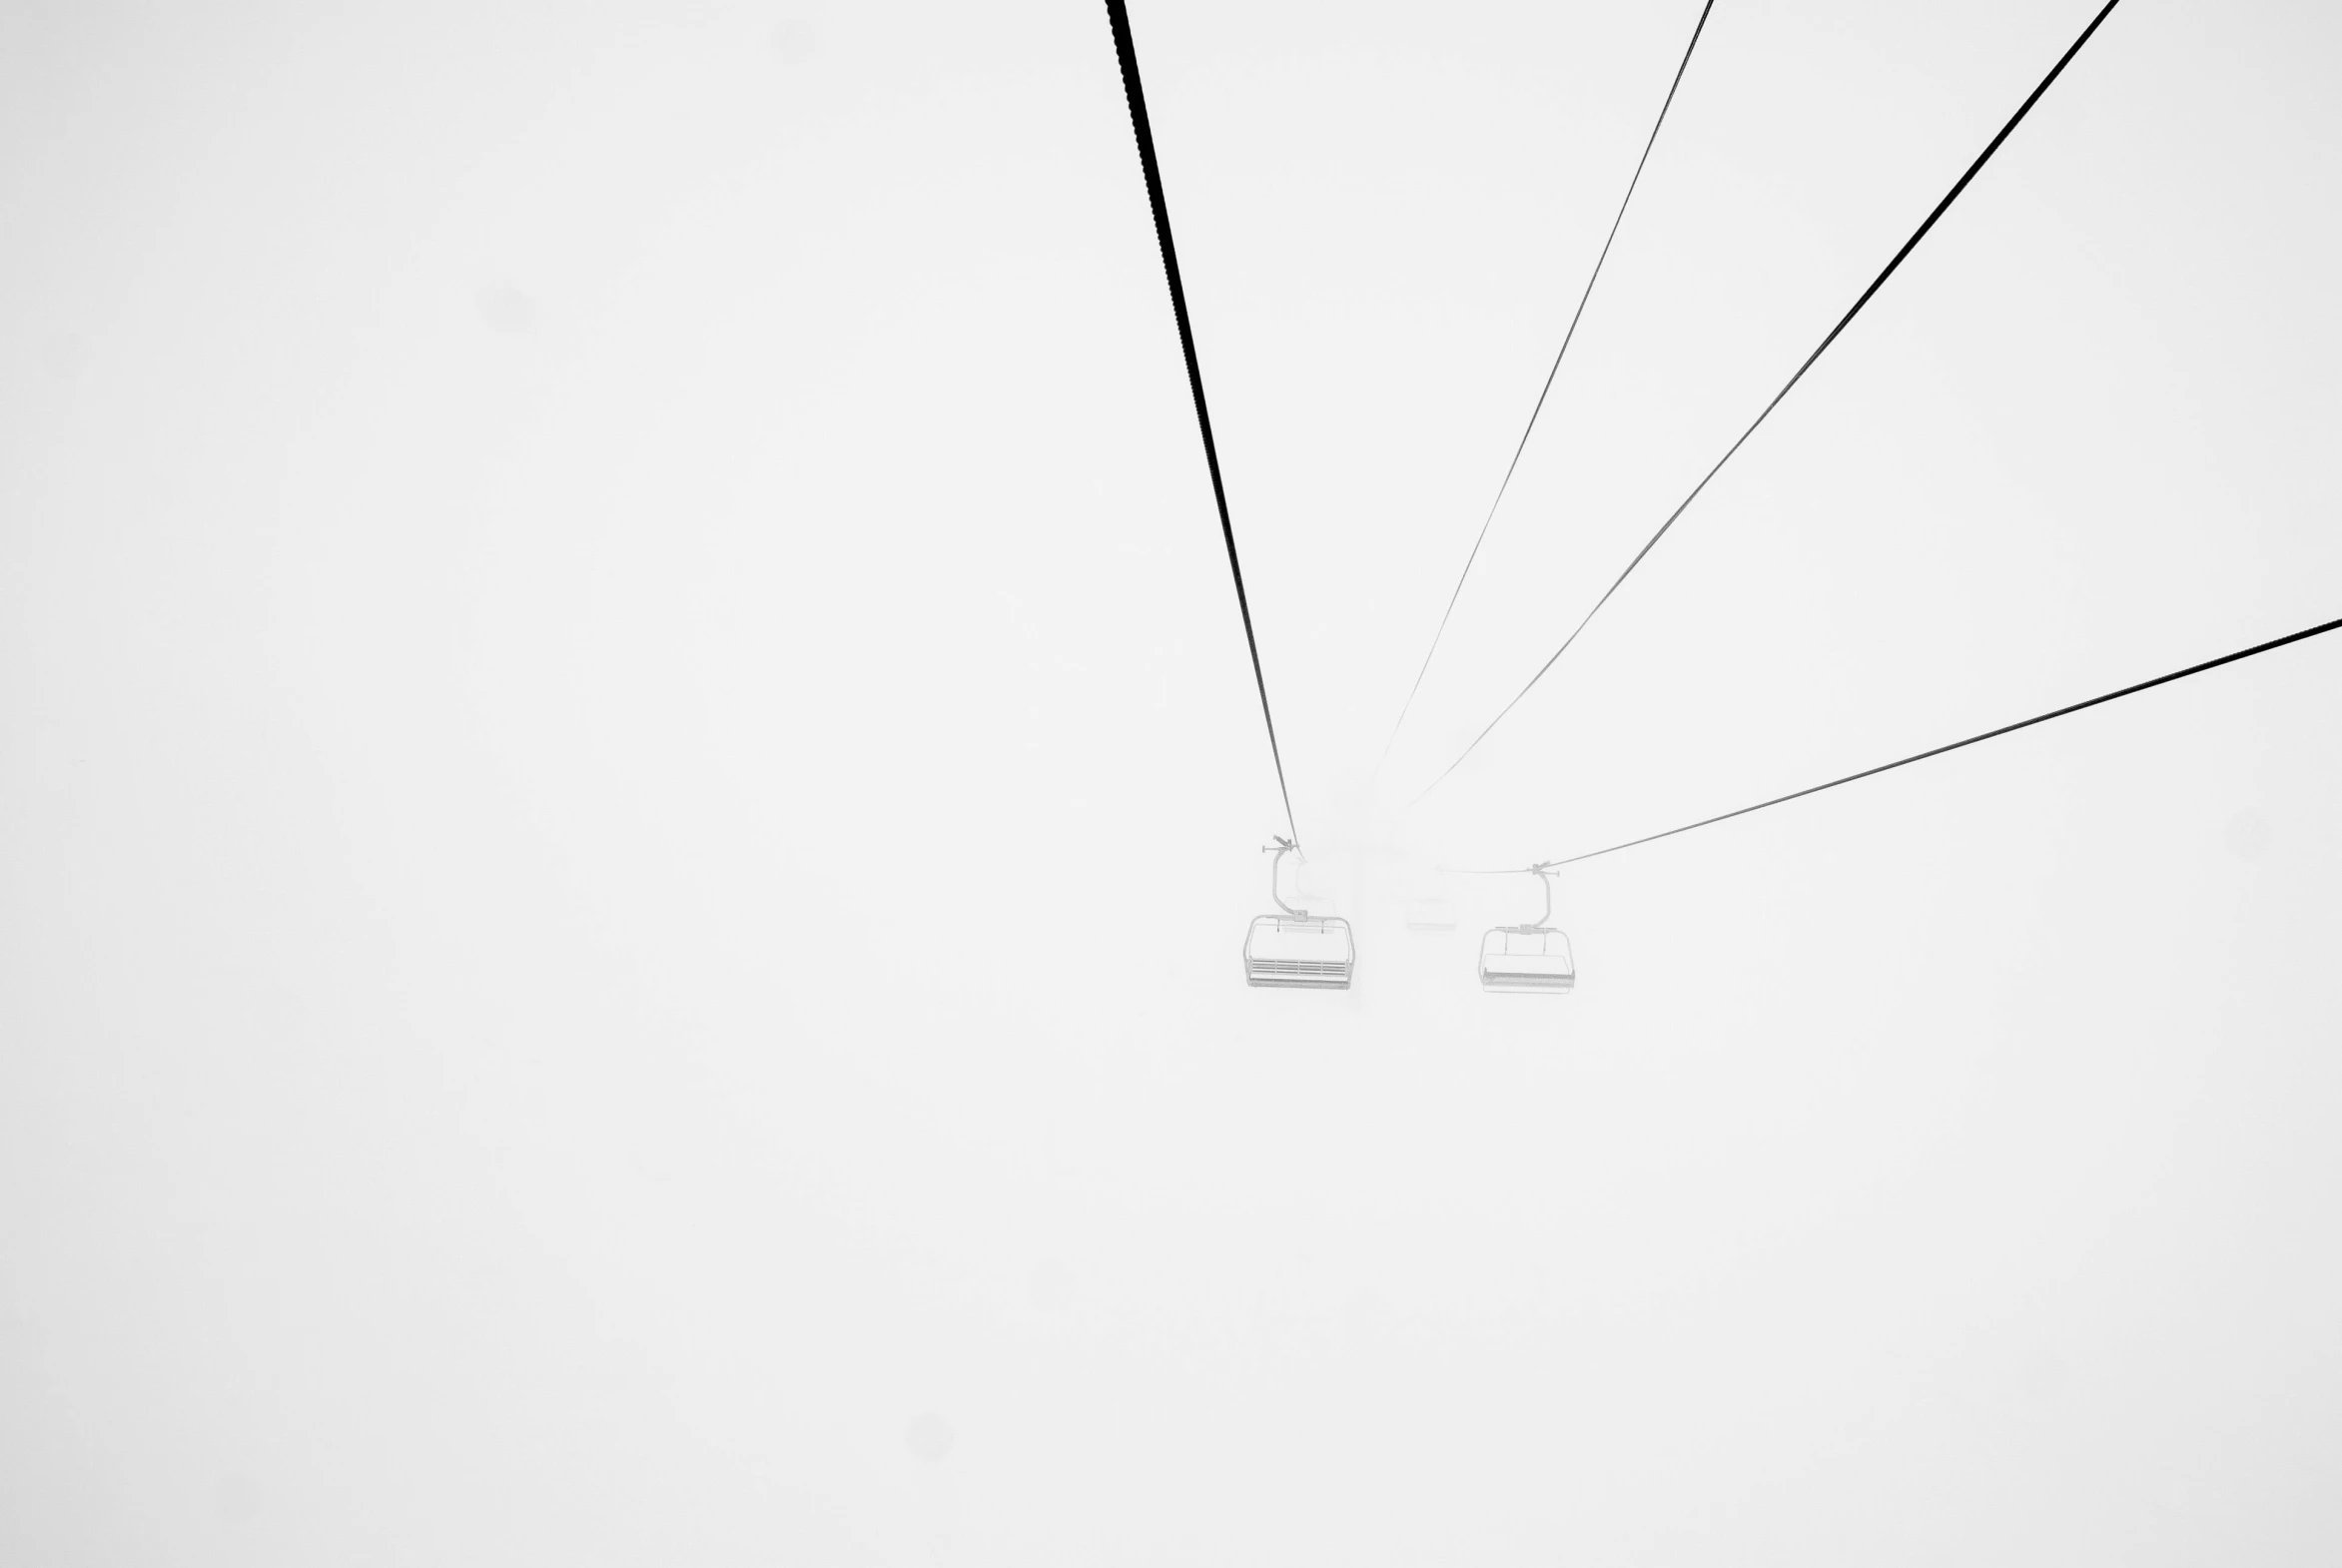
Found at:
[1527, 958]
[1306, 954]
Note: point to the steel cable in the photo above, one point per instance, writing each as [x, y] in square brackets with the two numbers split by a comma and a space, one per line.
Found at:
[1843, 322]
[1522, 446]
[1120, 18]
[1933, 751]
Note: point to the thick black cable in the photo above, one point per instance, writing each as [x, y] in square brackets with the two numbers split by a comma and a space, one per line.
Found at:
[1119, 17]
[1843, 322]
[1938, 751]
[1523, 446]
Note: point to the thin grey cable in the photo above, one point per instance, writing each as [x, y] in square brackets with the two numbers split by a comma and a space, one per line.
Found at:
[1523, 444]
[1876, 285]
[1933, 751]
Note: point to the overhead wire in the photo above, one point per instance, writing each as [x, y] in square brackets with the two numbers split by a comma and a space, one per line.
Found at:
[1117, 15]
[2254, 651]
[1962, 184]
[1566, 338]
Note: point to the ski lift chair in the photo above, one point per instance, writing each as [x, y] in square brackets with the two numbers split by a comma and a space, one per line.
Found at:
[1528, 958]
[1431, 913]
[1298, 950]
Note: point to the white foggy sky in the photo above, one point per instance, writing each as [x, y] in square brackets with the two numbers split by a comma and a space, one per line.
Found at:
[629, 788]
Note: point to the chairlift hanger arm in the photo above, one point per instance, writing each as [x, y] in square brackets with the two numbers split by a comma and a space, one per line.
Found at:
[1281, 849]
[1543, 871]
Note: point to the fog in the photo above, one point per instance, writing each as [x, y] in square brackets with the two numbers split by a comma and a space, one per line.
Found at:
[630, 788]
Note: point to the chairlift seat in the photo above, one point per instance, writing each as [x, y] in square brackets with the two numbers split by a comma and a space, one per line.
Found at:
[1310, 952]
[1526, 958]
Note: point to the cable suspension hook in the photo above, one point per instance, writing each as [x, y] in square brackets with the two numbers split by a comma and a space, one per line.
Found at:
[1280, 848]
[1544, 873]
